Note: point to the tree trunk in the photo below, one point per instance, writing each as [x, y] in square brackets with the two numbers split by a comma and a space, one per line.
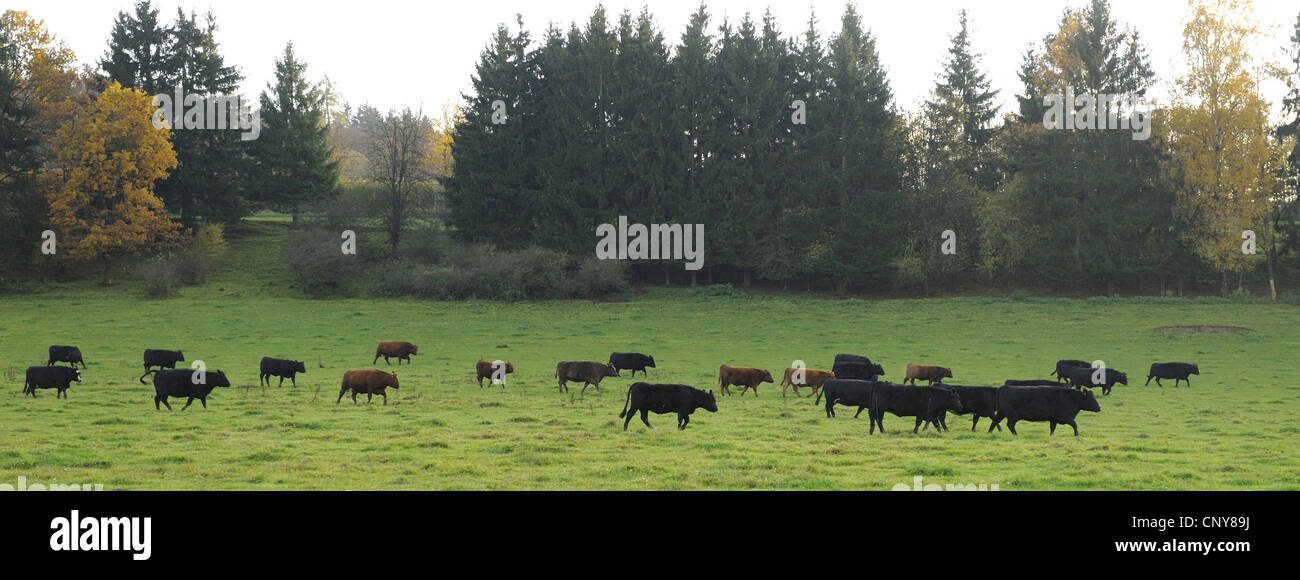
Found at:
[108, 264]
[1180, 286]
[1223, 282]
[1162, 285]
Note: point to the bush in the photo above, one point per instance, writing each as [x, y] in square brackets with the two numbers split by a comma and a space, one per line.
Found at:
[160, 276]
[314, 254]
[483, 272]
[718, 291]
[599, 278]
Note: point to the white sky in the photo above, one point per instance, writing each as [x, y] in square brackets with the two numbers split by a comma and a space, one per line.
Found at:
[421, 53]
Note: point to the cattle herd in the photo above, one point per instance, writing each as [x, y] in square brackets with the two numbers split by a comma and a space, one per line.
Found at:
[854, 381]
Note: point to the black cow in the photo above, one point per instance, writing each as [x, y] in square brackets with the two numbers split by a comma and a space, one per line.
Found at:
[163, 359]
[976, 401]
[1171, 370]
[680, 399]
[923, 403]
[633, 361]
[180, 383]
[1057, 406]
[1079, 377]
[50, 378]
[857, 370]
[1064, 365]
[848, 392]
[1033, 383]
[852, 358]
[67, 354]
[278, 367]
[590, 372]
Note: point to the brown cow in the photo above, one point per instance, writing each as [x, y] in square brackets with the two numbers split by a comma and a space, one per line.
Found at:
[485, 369]
[399, 349]
[926, 373]
[369, 382]
[747, 377]
[811, 378]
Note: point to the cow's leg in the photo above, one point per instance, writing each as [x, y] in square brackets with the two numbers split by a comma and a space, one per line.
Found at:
[369, 398]
[974, 422]
[188, 402]
[917, 428]
[165, 403]
[480, 381]
[385, 394]
[340, 399]
[1051, 430]
[1148, 383]
[997, 418]
[354, 398]
[630, 412]
[372, 363]
[155, 404]
[293, 379]
[855, 415]
[204, 400]
[1011, 424]
[1189, 381]
[1076, 427]
[683, 421]
[645, 417]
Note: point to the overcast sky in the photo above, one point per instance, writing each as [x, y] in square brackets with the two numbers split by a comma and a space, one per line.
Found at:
[420, 53]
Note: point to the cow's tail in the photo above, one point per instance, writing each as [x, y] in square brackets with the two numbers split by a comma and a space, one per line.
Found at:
[821, 392]
[626, 402]
[147, 373]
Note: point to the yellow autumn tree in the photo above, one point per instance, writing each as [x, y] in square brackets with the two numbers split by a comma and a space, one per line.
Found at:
[1219, 136]
[103, 204]
[46, 72]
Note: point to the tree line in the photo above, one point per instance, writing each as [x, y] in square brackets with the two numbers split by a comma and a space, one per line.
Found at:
[794, 153]
[82, 157]
[790, 148]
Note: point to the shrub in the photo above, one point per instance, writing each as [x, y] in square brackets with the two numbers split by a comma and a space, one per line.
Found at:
[160, 276]
[718, 291]
[483, 272]
[314, 254]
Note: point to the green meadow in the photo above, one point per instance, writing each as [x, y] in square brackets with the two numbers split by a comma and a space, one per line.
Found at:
[1236, 427]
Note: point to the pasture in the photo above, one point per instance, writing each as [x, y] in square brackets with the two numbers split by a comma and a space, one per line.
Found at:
[1235, 428]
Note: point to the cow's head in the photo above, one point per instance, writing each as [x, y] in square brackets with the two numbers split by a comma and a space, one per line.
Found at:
[609, 371]
[299, 367]
[180, 356]
[945, 372]
[767, 377]
[1088, 401]
[877, 370]
[708, 402]
[217, 379]
[1196, 369]
[394, 384]
[415, 349]
[651, 360]
[1123, 379]
[510, 368]
[950, 399]
[76, 374]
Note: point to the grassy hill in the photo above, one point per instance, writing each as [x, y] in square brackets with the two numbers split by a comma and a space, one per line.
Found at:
[1233, 429]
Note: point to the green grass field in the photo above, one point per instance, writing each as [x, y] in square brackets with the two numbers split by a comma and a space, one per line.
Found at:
[1235, 428]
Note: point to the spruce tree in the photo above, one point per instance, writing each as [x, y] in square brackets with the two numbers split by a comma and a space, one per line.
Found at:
[293, 163]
